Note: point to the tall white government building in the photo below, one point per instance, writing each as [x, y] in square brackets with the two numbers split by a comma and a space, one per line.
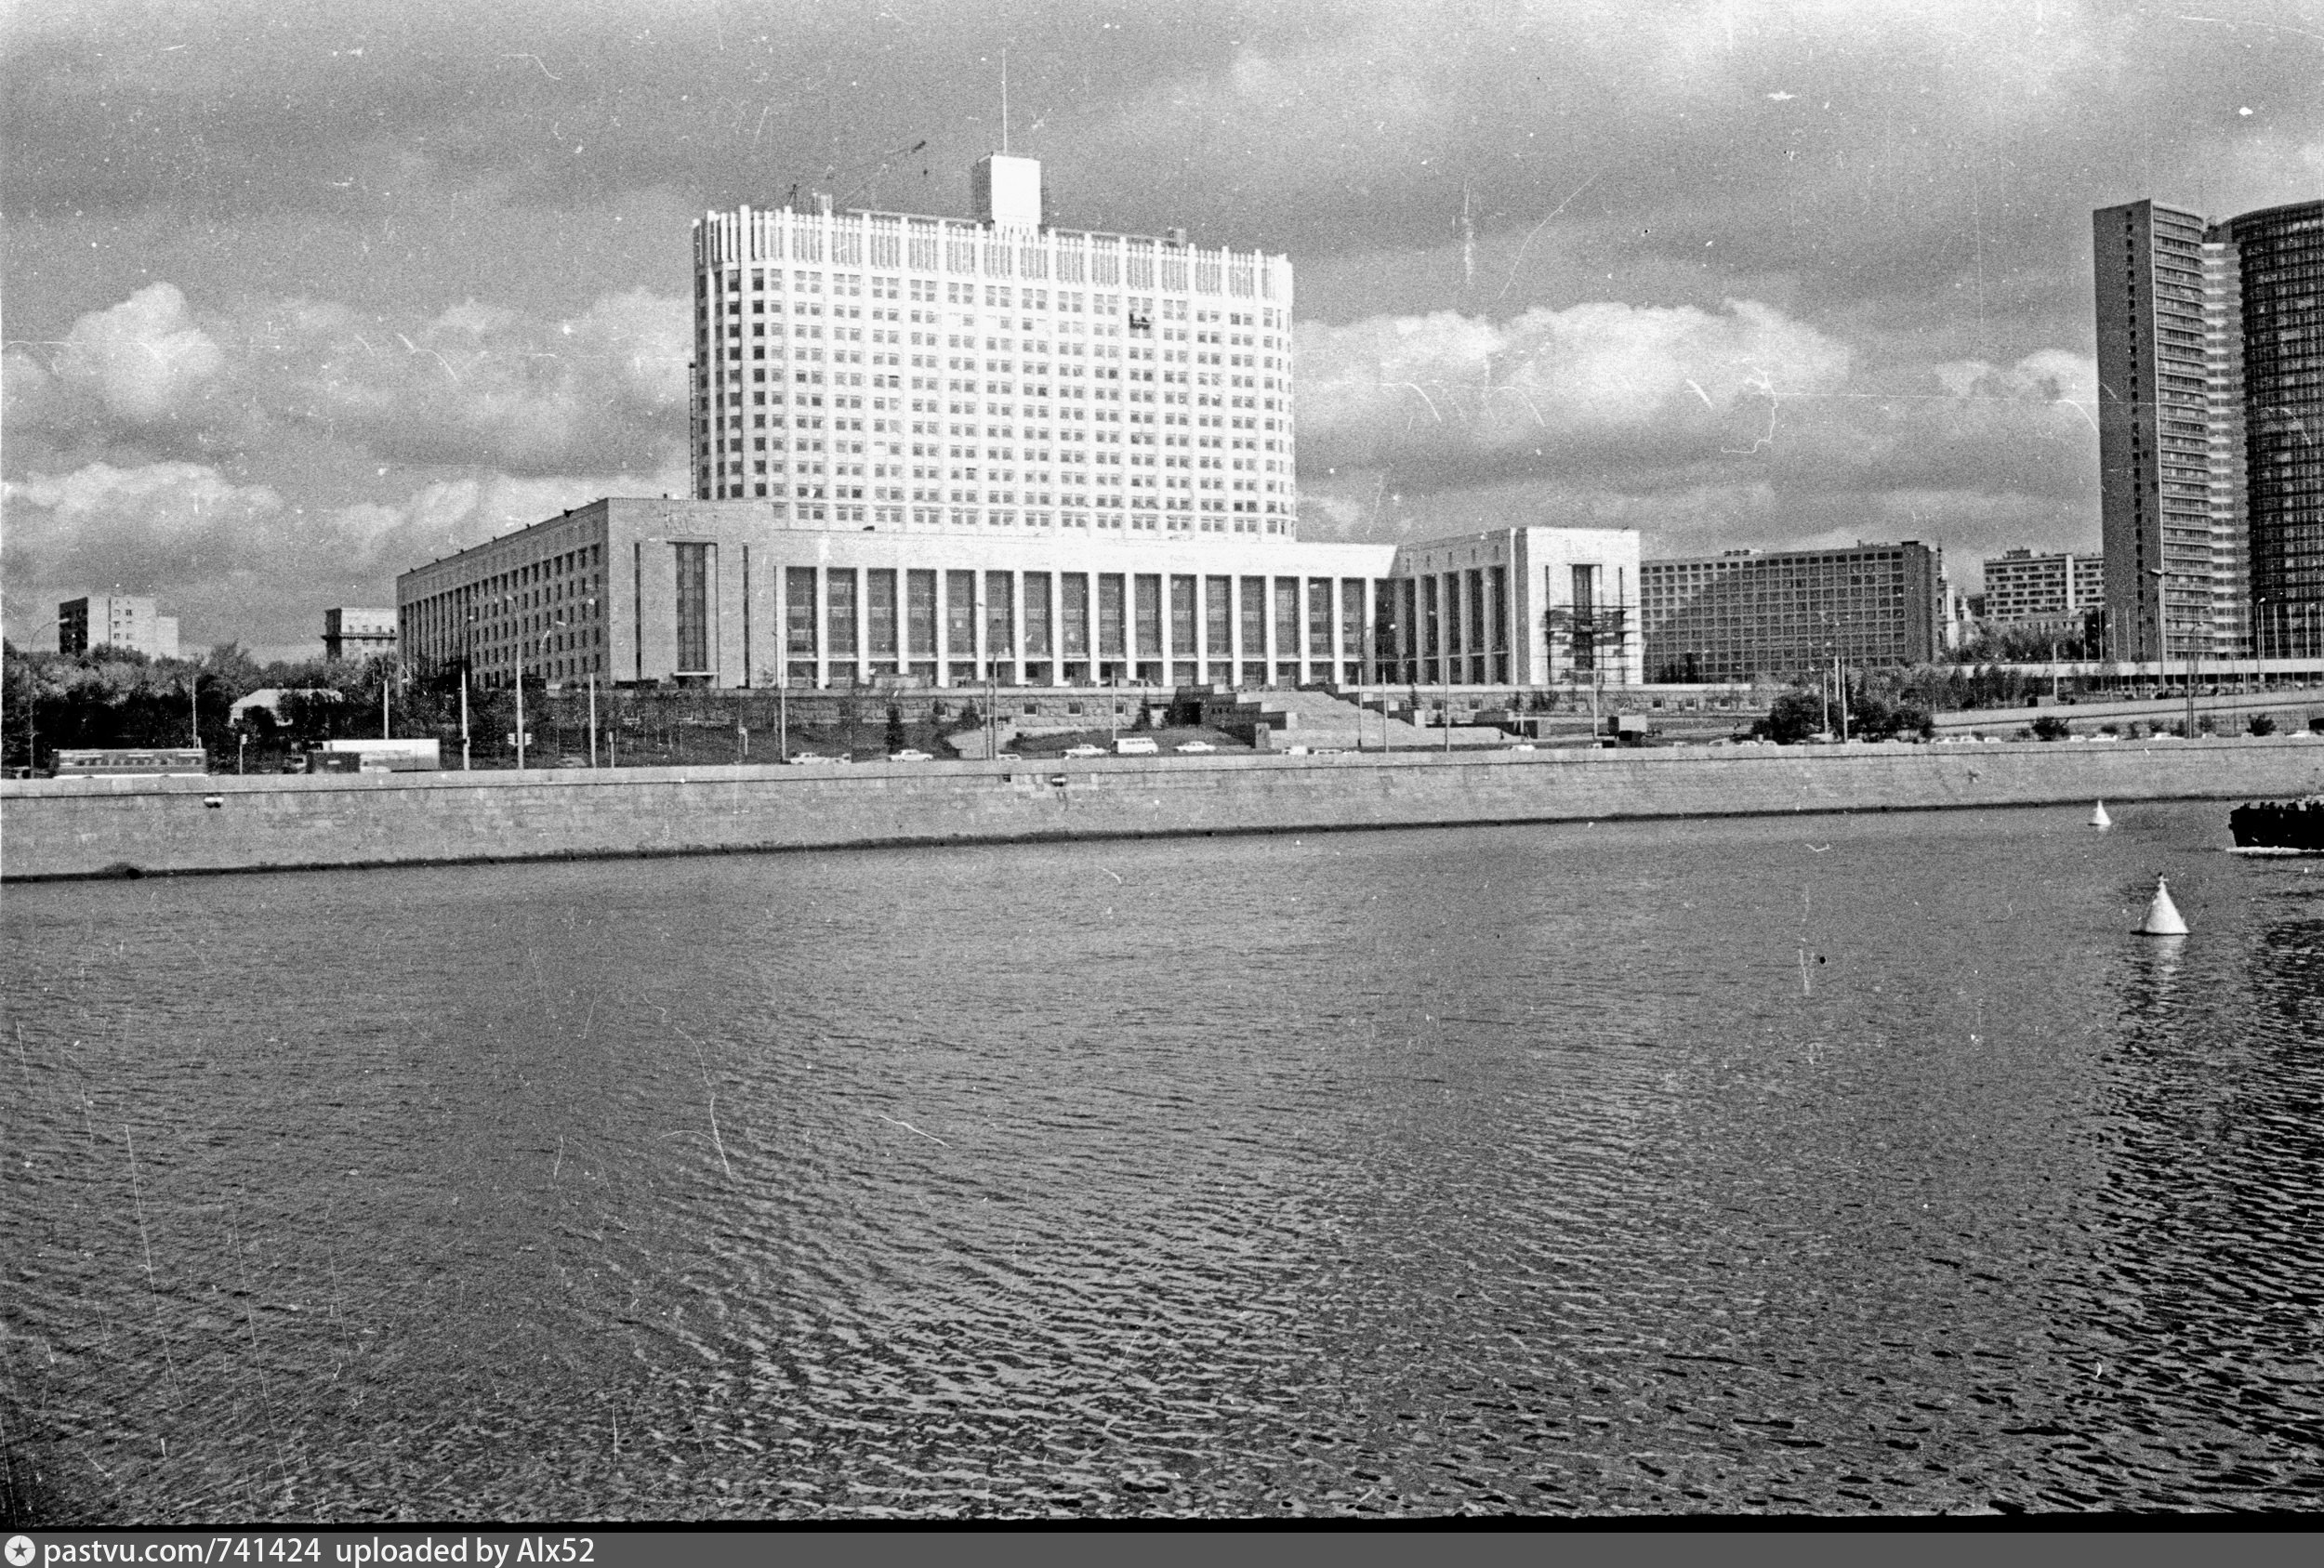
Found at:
[948, 450]
[877, 368]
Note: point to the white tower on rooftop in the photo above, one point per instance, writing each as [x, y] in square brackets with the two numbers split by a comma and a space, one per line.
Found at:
[1005, 191]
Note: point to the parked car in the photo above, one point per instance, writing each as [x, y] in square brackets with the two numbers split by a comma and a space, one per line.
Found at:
[908, 755]
[1085, 750]
[1193, 748]
[804, 759]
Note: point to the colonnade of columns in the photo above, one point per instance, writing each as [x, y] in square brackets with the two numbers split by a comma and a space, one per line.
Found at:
[960, 626]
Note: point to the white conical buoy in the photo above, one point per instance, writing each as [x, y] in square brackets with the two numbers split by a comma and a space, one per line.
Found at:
[2099, 818]
[2162, 916]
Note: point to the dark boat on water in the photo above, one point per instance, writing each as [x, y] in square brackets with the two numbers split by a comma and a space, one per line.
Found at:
[2279, 828]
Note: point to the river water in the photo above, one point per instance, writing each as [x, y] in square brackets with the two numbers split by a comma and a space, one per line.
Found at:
[1845, 1164]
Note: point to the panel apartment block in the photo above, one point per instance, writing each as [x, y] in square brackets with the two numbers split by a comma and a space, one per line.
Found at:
[1745, 613]
[2053, 590]
[116, 621]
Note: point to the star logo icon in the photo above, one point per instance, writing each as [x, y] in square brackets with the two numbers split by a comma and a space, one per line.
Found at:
[20, 1551]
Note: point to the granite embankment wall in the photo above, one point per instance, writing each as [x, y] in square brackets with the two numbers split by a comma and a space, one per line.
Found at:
[65, 828]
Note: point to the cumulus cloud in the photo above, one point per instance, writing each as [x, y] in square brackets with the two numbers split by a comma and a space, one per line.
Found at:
[1440, 393]
[2052, 376]
[1702, 428]
[474, 383]
[136, 526]
[1965, 427]
[142, 362]
[171, 445]
[485, 384]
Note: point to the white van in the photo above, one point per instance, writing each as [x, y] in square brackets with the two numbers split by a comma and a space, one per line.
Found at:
[1135, 745]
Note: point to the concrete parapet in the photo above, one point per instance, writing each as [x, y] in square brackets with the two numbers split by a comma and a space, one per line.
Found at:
[90, 827]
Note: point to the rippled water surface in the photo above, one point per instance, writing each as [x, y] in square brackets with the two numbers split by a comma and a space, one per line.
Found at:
[1845, 1164]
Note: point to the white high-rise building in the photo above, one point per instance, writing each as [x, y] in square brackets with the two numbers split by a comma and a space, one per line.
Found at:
[892, 371]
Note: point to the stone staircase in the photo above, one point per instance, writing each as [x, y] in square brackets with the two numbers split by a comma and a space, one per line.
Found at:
[968, 744]
[1321, 721]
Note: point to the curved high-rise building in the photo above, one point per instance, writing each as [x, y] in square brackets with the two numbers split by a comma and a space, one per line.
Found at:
[2279, 257]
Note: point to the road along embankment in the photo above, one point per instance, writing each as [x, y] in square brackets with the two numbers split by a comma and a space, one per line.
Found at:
[94, 827]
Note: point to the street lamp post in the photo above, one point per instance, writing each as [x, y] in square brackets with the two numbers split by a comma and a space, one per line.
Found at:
[521, 738]
[467, 667]
[32, 707]
[1823, 677]
[1839, 672]
[518, 644]
[542, 638]
[521, 704]
[2162, 653]
[2258, 644]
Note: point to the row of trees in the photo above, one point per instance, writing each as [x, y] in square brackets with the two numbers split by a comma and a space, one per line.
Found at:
[1877, 706]
[1991, 643]
[112, 697]
[1883, 701]
[117, 697]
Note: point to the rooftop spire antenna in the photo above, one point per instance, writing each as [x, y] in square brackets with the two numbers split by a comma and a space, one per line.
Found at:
[1004, 102]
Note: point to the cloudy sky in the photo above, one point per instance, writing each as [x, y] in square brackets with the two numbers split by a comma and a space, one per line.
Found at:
[298, 294]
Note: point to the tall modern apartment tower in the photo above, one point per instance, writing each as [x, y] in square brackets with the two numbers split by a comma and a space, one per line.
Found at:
[2280, 267]
[2210, 336]
[2165, 571]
